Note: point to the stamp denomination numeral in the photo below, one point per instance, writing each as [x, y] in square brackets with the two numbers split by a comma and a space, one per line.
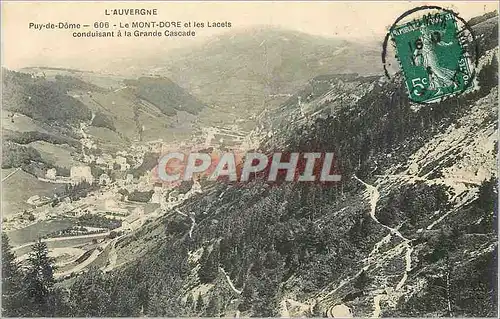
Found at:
[419, 83]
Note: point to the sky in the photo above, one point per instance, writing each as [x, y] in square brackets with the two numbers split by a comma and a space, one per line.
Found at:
[22, 46]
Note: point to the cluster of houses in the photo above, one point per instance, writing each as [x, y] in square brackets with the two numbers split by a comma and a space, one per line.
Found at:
[115, 203]
[77, 175]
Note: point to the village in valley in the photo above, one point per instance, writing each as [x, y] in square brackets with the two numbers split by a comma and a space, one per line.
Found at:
[105, 198]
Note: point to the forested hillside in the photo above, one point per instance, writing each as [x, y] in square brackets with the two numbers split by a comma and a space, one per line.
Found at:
[41, 99]
[167, 96]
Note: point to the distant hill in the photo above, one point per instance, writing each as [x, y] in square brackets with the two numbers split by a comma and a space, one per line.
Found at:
[252, 69]
[122, 108]
[165, 95]
[41, 99]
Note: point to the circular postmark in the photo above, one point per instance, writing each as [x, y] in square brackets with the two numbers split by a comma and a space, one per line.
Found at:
[436, 50]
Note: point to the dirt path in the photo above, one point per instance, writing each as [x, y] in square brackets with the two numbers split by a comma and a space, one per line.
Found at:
[10, 174]
[62, 238]
[230, 282]
[113, 256]
[80, 266]
[192, 220]
[374, 195]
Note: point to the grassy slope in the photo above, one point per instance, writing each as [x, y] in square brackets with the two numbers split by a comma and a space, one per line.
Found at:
[21, 186]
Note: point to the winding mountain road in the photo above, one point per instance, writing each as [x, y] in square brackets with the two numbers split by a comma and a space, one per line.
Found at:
[62, 238]
[374, 196]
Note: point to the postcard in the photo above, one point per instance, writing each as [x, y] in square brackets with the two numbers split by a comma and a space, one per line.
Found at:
[249, 159]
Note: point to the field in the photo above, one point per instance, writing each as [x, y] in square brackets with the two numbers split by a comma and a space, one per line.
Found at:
[106, 139]
[22, 123]
[119, 106]
[32, 232]
[14, 200]
[59, 155]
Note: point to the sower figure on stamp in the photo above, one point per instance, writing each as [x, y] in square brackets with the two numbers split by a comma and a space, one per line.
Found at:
[425, 55]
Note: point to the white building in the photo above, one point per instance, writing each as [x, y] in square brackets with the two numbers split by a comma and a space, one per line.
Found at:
[51, 173]
[100, 160]
[134, 220]
[79, 174]
[104, 179]
[37, 200]
[122, 161]
[157, 195]
[129, 179]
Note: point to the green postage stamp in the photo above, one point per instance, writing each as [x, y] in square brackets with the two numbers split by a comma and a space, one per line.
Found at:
[433, 57]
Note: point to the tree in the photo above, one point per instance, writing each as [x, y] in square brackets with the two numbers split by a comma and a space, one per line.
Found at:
[213, 307]
[488, 76]
[316, 310]
[189, 305]
[42, 298]
[265, 303]
[487, 195]
[446, 241]
[200, 305]
[89, 295]
[209, 265]
[362, 281]
[248, 294]
[11, 281]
